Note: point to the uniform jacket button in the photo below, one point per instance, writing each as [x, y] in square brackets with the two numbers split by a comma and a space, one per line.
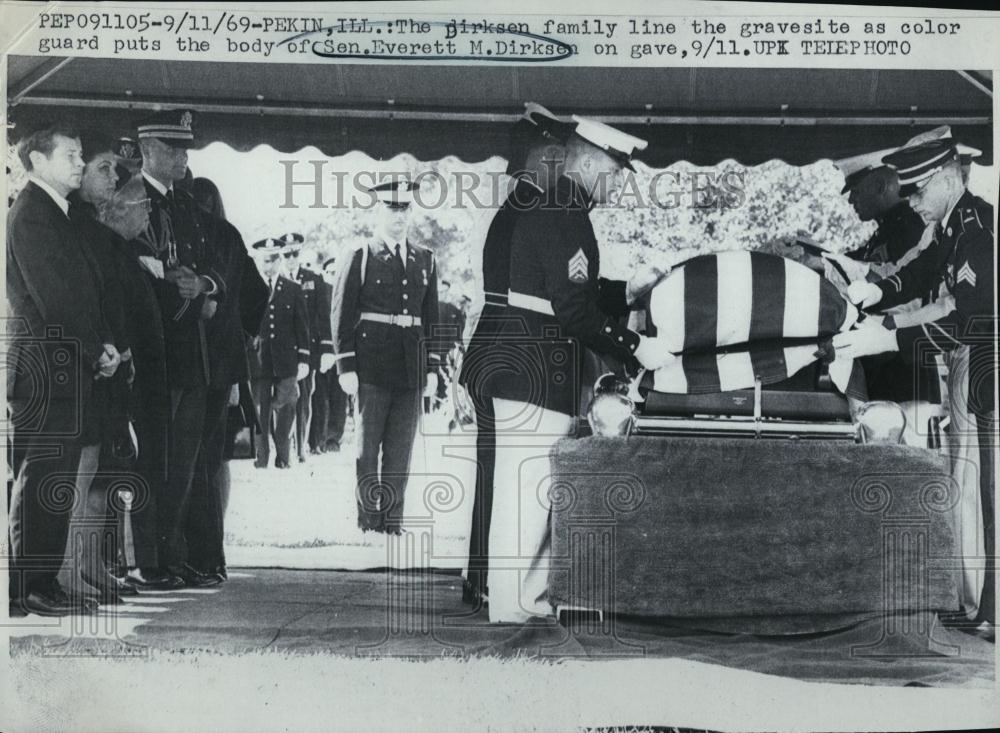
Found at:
[404, 281]
[405, 296]
[405, 311]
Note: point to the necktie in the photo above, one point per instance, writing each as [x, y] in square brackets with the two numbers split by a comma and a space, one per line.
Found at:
[270, 284]
[399, 256]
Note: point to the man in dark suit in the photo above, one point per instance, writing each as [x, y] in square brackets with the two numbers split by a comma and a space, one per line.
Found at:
[189, 283]
[314, 293]
[280, 356]
[61, 343]
[385, 306]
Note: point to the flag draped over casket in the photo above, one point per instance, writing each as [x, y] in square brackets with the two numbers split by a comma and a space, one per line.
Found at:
[736, 317]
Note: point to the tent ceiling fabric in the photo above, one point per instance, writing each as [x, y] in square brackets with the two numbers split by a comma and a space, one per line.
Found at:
[442, 110]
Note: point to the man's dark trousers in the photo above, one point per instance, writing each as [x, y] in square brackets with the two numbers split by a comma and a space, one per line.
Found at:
[303, 410]
[320, 411]
[387, 419]
[275, 398]
[338, 402]
[45, 467]
[482, 505]
[187, 423]
[203, 524]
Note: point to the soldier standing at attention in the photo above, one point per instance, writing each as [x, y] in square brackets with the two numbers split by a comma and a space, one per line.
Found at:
[314, 292]
[385, 304]
[963, 255]
[280, 356]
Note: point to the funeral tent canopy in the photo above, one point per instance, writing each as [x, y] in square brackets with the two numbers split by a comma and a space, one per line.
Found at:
[383, 109]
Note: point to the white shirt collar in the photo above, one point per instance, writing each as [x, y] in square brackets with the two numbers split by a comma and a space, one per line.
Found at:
[402, 247]
[61, 201]
[951, 210]
[156, 184]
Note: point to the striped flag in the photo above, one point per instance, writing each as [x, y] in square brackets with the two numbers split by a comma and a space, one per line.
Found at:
[738, 316]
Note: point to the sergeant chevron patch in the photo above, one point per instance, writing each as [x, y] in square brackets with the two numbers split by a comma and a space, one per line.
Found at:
[578, 267]
[966, 273]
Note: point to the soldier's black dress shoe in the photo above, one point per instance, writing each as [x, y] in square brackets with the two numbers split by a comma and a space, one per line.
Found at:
[279, 463]
[108, 583]
[153, 579]
[50, 601]
[195, 578]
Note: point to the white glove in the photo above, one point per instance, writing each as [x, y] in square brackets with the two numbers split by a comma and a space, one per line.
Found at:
[642, 281]
[653, 352]
[303, 371]
[855, 270]
[864, 293]
[349, 382]
[867, 339]
[326, 362]
[432, 384]
[108, 363]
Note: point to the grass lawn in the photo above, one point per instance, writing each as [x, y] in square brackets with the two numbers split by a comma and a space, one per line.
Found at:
[306, 516]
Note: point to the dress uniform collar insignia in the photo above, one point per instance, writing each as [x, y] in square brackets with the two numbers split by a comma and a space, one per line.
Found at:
[578, 267]
[966, 273]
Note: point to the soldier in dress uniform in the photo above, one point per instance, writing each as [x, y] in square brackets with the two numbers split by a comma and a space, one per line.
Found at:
[873, 191]
[326, 379]
[385, 306]
[186, 276]
[337, 401]
[279, 357]
[962, 254]
[537, 141]
[557, 303]
[318, 305]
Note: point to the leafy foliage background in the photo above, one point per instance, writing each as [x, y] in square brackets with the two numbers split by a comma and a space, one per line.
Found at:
[663, 216]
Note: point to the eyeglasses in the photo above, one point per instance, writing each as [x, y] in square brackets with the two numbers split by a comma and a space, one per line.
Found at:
[289, 255]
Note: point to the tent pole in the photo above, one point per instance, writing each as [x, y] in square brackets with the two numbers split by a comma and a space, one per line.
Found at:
[975, 82]
[458, 116]
[38, 75]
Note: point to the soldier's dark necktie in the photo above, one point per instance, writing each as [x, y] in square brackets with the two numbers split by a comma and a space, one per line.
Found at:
[399, 257]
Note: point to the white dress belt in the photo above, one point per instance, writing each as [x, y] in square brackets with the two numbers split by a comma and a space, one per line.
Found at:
[530, 302]
[393, 319]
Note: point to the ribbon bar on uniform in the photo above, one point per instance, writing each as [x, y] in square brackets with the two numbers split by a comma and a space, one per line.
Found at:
[530, 303]
[393, 319]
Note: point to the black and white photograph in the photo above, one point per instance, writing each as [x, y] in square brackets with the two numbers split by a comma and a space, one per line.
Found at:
[553, 368]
